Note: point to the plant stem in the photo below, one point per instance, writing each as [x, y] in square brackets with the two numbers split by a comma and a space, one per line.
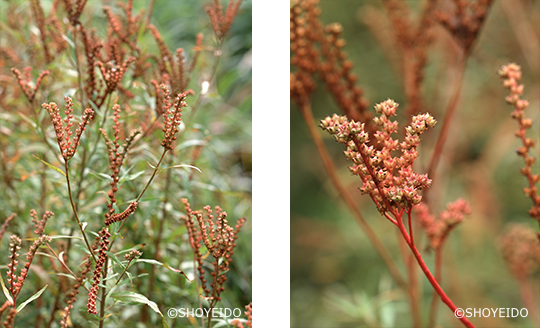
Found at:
[433, 307]
[413, 289]
[331, 171]
[429, 276]
[75, 211]
[123, 272]
[527, 297]
[103, 292]
[153, 175]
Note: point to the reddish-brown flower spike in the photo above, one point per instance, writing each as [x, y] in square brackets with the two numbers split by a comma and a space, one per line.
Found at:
[113, 73]
[219, 239]
[67, 143]
[103, 239]
[39, 225]
[122, 216]
[5, 224]
[14, 248]
[25, 83]
[511, 75]
[222, 23]
[172, 116]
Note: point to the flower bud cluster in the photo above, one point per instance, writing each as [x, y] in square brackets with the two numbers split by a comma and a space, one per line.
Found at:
[39, 225]
[466, 21]
[113, 73]
[42, 240]
[14, 248]
[438, 230]
[388, 179]
[67, 143]
[511, 75]
[521, 250]
[132, 255]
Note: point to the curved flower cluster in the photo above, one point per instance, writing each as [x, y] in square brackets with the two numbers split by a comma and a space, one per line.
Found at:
[389, 180]
[438, 230]
[122, 216]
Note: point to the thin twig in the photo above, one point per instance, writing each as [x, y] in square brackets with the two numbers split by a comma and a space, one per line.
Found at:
[75, 212]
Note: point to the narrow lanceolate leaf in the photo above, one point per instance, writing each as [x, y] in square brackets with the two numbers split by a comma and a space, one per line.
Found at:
[165, 265]
[181, 165]
[36, 295]
[5, 290]
[51, 166]
[131, 297]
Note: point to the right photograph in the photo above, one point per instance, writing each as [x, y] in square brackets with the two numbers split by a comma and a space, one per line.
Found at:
[414, 163]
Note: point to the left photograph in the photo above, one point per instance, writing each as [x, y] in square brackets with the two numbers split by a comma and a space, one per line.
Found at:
[125, 163]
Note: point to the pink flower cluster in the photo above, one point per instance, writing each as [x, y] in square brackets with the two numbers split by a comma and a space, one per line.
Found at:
[437, 230]
[389, 180]
[68, 145]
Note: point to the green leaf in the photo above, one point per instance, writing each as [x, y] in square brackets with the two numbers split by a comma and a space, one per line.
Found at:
[189, 143]
[5, 290]
[24, 117]
[36, 295]
[166, 266]
[130, 177]
[51, 166]
[66, 237]
[180, 165]
[131, 297]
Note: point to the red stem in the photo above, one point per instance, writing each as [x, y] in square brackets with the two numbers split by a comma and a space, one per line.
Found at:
[434, 301]
[429, 276]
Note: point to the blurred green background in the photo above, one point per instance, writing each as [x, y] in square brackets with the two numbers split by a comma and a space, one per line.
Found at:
[337, 278]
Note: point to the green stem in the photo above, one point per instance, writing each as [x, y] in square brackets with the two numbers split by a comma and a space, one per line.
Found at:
[75, 211]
